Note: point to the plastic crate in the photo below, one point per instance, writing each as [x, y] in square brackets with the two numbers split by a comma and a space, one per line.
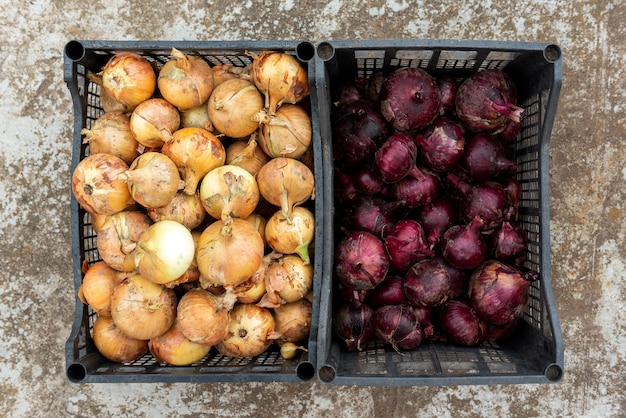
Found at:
[83, 362]
[535, 353]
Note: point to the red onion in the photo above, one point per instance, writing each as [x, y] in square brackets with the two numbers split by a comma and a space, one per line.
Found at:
[406, 244]
[371, 214]
[361, 262]
[398, 326]
[350, 91]
[409, 98]
[425, 316]
[374, 85]
[441, 145]
[395, 157]
[463, 245]
[501, 332]
[427, 283]
[484, 158]
[458, 279]
[514, 189]
[448, 86]
[389, 292]
[499, 292]
[351, 296]
[486, 101]
[417, 189]
[436, 217]
[353, 326]
[460, 324]
[366, 181]
[345, 189]
[510, 132]
[508, 242]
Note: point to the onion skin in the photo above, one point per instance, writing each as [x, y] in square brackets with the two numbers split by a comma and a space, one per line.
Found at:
[371, 214]
[114, 344]
[247, 155]
[129, 79]
[111, 134]
[427, 283]
[291, 236]
[289, 277]
[442, 145]
[389, 292]
[202, 317]
[118, 237]
[186, 81]
[293, 321]
[286, 134]
[463, 245]
[251, 331]
[436, 217]
[353, 326]
[361, 261]
[153, 122]
[229, 191]
[418, 188]
[398, 326]
[97, 287]
[96, 186]
[484, 158]
[395, 157]
[183, 208]
[232, 106]
[175, 349]
[406, 244]
[460, 325]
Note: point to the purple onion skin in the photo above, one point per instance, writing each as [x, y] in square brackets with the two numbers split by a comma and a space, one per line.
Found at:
[366, 180]
[436, 217]
[510, 132]
[448, 87]
[458, 279]
[426, 318]
[409, 99]
[395, 157]
[354, 298]
[398, 326]
[498, 292]
[353, 326]
[441, 145]
[463, 245]
[361, 261]
[350, 91]
[389, 292]
[345, 189]
[460, 324]
[417, 189]
[484, 158]
[508, 242]
[406, 244]
[486, 100]
[371, 214]
[427, 283]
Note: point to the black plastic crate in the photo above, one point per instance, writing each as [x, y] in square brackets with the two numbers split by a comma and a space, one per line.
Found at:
[535, 353]
[83, 362]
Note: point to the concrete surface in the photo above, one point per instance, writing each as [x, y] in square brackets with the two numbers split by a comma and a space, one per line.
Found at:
[588, 212]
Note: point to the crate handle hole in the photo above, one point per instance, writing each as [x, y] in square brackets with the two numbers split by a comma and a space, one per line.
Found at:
[325, 51]
[554, 372]
[552, 53]
[305, 51]
[76, 372]
[305, 371]
[327, 374]
[74, 50]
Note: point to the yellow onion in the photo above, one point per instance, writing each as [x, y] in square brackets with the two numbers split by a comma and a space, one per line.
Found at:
[225, 72]
[117, 239]
[286, 134]
[293, 321]
[203, 317]
[153, 179]
[232, 106]
[153, 122]
[164, 252]
[289, 350]
[247, 155]
[280, 77]
[96, 186]
[97, 221]
[129, 79]
[286, 183]
[142, 309]
[291, 237]
[195, 151]
[175, 349]
[250, 331]
[289, 277]
[186, 81]
[228, 254]
[183, 208]
[259, 222]
[192, 274]
[110, 134]
[97, 287]
[114, 344]
[253, 289]
[229, 191]
[197, 117]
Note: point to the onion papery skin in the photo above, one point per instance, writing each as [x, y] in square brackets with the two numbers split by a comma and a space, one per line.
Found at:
[195, 151]
[153, 179]
[111, 134]
[293, 321]
[97, 287]
[183, 208]
[289, 277]
[353, 325]
[232, 107]
[153, 122]
[249, 331]
[247, 155]
[361, 261]
[197, 117]
[286, 134]
[186, 81]
[129, 79]
[142, 309]
[96, 186]
[175, 349]
[117, 239]
[202, 317]
[291, 236]
[114, 344]
[164, 252]
[229, 191]
[427, 283]
[228, 255]
[460, 325]
[397, 325]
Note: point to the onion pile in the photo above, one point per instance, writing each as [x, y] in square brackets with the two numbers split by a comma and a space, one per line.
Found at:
[427, 240]
[200, 196]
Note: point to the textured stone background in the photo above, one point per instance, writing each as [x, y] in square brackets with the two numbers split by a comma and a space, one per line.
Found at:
[587, 175]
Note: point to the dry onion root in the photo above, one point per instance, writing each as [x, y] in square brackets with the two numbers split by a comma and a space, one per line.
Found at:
[186, 81]
[111, 134]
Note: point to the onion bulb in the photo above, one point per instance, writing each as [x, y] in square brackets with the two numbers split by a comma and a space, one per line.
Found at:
[247, 155]
[293, 321]
[117, 239]
[164, 252]
[291, 237]
[183, 208]
[153, 122]
[289, 350]
[111, 134]
[259, 222]
[253, 289]
[192, 274]
[129, 79]
[98, 284]
[97, 221]
[202, 317]
[153, 179]
[186, 81]
[96, 187]
[232, 106]
[195, 151]
[286, 182]
[286, 134]
[114, 344]
[175, 349]
[229, 191]
[289, 277]
[142, 309]
[229, 254]
[198, 117]
[225, 72]
[280, 77]
[250, 331]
